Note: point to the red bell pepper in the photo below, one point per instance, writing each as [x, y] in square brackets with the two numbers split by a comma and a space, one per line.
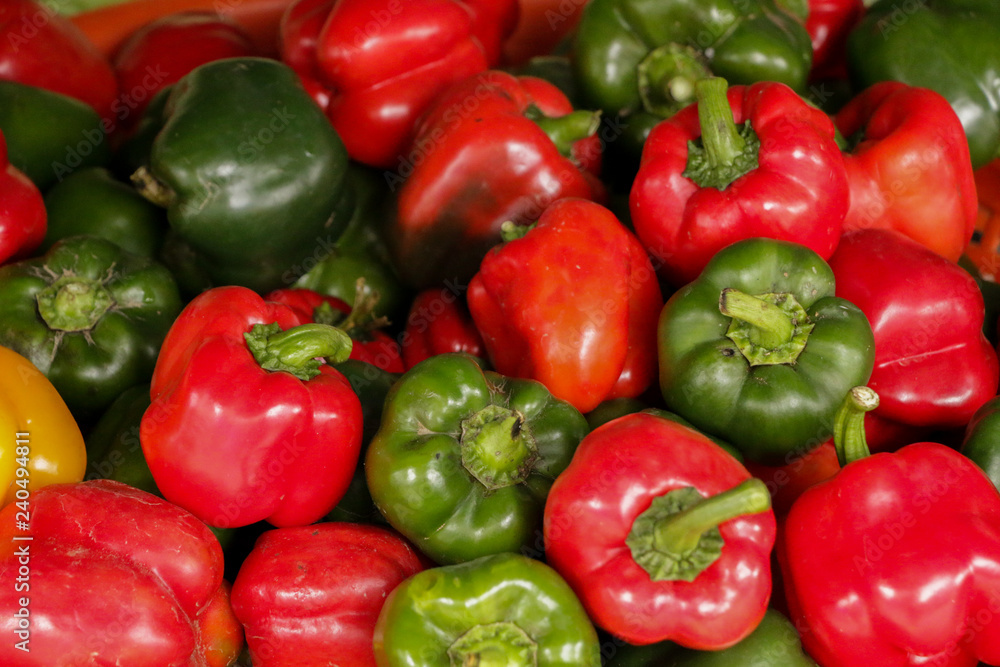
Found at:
[662, 534]
[23, 217]
[572, 302]
[895, 561]
[42, 48]
[984, 250]
[493, 148]
[245, 423]
[101, 573]
[909, 166]
[371, 343]
[439, 322]
[828, 23]
[376, 65]
[780, 176]
[933, 365]
[310, 594]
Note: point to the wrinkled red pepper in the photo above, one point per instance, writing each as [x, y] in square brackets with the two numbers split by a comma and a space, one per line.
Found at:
[895, 561]
[662, 534]
[245, 423]
[312, 593]
[439, 322]
[23, 218]
[493, 148]
[829, 23]
[933, 365]
[572, 302]
[376, 65]
[781, 176]
[909, 166]
[105, 574]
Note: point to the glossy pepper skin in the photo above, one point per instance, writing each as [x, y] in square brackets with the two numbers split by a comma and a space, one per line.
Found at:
[934, 367]
[23, 218]
[375, 67]
[494, 147]
[908, 166]
[464, 458]
[572, 303]
[703, 183]
[45, 445]
[663, 534]
[494, 609]
[439, 322]
[309, 593]
[829, 23]
[771, 383]
[152, 576]
[910, 555]
[90, 316]
[249, 170]
[245, 425]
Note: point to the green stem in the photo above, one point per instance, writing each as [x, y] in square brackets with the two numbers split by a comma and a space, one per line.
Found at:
[498, 448]
[151, 188]
[73, 304]
[566, 130]
[298, 350]
[500, 644]
[724, 152]
[849, 424]
[511, 231]
[668, 77]
[770, 326]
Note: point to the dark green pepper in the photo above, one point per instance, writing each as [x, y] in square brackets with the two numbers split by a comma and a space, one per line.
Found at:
[758, 350]
[92, 201]
[504, 609]
[90, 316]
[250, 170]
[981, 441]
[464, 458]
[949, 46]
[50, 135]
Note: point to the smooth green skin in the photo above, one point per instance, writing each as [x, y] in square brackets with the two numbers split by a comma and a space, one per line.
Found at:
[252, 168]
[982, 439]
[750, 40]
[92, 201]
[949, 46]
[90, 369]
[991, 299]
[775, 643]
[414, 464]
[50, 135]
[426, 613]
[764, 411]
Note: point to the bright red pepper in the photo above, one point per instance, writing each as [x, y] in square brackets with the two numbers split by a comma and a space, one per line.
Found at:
[493, 148]
[828, 24]
[42, 48]
[781, 176]
[245, 424]
[312, 593]
[933, 365]
[909, 166]
[23, 218]
[106, 574]
[572, 303]
[895, 561]
[662, 534]
[371, 342]
[439, 322]
[376, 65]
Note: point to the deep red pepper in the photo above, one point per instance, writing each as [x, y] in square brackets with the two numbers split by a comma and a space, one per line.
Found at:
[828, 24]
[909, 166]
[439, 322]
[375, 66]
[23, 218]
[493, 148]
[572, 302]
[245, 425]
[662, 534]
[782, 178]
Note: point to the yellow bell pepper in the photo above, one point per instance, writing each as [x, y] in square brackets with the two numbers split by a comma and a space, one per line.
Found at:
[40, 441]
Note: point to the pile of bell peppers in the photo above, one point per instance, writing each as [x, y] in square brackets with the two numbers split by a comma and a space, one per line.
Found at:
[500, 332]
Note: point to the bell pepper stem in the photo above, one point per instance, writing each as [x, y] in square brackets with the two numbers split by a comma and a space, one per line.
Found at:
[73, 304]
[566, 130]
[511, 231]
[299, 349]
[151, 188]
[771, 327]
[667, 78]
[724, 152]
[849, 424]
[500, 644]
[498, 448]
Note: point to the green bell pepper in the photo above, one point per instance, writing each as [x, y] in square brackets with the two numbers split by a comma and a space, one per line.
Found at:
[981, 441]
[90, 316]
[250, 170]
[758, 351]
[50, 135]
[92, 201]
[464, 458]
[949, 46]
[504, 609]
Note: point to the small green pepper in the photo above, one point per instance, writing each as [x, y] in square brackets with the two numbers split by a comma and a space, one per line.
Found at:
[981, 441]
